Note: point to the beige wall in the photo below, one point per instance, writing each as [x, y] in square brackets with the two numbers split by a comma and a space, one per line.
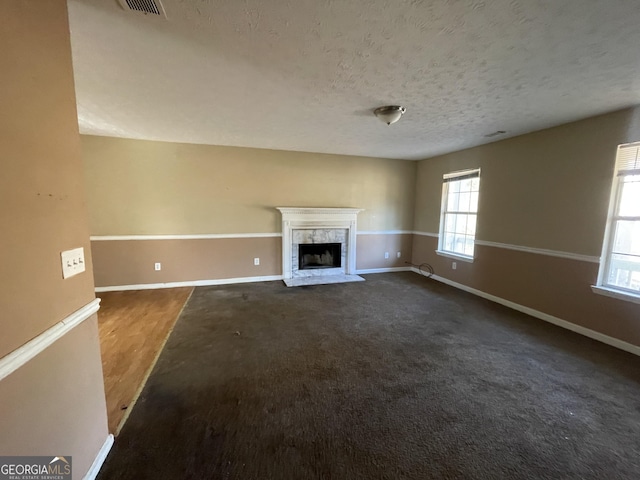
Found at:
[53, 406]
[144, 187]
[546, 190]
[42, 211]
[371, 249]
[131, 262]
[42, 202]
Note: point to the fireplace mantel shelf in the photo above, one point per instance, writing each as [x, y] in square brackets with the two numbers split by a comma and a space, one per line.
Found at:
[312, 213]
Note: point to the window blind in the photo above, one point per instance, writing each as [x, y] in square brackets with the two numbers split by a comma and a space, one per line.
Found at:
[464, 174]
[628, 159]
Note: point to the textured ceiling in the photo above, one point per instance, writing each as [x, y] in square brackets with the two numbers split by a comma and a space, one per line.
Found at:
[306, 74]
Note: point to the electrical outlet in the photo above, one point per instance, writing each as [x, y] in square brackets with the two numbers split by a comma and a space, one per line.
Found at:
[398, 255]
[256, 261]
[386, 254]
[157, 266]
[72, 262]
[454, 265]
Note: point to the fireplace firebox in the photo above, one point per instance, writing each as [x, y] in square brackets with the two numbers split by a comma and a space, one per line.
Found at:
[319, 255]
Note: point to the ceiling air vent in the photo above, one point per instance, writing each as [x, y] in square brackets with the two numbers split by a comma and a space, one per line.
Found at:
[148, 7]
[495, 134]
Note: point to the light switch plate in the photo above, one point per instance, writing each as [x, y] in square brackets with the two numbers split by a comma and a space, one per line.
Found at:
[72, 262]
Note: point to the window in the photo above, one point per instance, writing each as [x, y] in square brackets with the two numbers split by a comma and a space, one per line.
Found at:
[459, 213]
[620, 265]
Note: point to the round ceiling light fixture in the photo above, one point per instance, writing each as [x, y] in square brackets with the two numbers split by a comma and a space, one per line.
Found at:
[390, 113]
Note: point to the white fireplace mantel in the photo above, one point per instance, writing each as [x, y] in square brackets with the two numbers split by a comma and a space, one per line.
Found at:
[299, 218]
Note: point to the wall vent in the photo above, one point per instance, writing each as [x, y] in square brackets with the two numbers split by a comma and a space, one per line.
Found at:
[147, 7]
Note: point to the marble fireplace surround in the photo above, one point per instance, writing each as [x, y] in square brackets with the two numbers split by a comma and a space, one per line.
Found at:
[318, 225]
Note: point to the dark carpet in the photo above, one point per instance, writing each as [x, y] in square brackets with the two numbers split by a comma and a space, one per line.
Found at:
[396, 377]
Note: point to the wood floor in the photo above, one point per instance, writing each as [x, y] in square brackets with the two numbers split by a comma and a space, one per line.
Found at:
[134, 326]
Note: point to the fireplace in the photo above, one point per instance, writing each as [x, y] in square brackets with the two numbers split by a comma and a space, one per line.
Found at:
[326, 263]
[318, 245]
[319, 255]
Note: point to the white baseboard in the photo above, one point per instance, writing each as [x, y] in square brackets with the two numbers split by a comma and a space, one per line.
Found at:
[366, 271]
[192, 283]
[226, 281]
[100, 458]
[614, 342]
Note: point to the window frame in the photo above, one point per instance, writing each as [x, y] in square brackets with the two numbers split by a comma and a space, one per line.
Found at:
[602, 286]
[447, 179]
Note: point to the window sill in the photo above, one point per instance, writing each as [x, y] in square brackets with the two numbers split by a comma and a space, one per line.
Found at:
[455, 256]
[620, 295]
